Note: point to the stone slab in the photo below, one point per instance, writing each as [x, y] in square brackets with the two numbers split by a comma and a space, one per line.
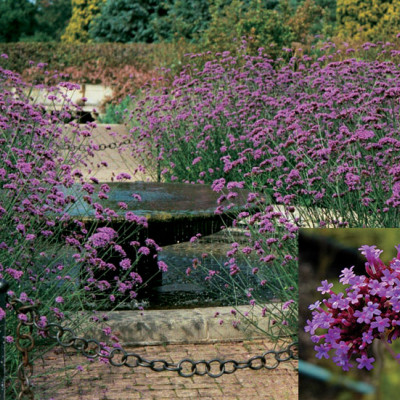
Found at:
[198, 325]
[96, 96]
[118, 158]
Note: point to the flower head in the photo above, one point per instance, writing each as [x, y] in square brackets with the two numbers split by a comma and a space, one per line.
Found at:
[373, 265]
[368, 310]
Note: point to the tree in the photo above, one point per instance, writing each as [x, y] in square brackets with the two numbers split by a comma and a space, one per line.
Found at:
[302, 18]
[125, 21]
[52, 17]
[230, 20]
[368, 20]
[327, 25]
[83, 12]
[183, 19]
[17, 18]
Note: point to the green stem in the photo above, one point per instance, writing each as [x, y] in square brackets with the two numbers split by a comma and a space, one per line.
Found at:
[391, 351]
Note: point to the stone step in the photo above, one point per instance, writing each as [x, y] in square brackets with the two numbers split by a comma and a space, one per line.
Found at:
[198, 325]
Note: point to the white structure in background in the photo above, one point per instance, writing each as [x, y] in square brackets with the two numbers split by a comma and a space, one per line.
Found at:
[94, 95]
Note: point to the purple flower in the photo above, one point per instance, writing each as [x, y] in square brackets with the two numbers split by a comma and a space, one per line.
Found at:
[123, 175]
[367, 337]
[337, 301]
[369, 310]
[315, 305]
[367, 313]
[374, 265]
[354, 296]
[144, 250]
[125, 263]
[347, 275]
[365, 362]
[218, 184]
[380, 323]
[103, 237]
[325, 288]
[333, 335]
[322, 351]
[196, 160]
[287, 304]
[22, 317]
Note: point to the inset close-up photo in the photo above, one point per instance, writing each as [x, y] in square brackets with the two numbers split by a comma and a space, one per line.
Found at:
[349, 320]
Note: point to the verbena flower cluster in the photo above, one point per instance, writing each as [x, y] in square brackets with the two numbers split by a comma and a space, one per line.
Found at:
[44, 252]
[314, 140]
[308, 131]
[345, 324]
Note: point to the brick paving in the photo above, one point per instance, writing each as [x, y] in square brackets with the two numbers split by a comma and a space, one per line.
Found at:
[104, 382]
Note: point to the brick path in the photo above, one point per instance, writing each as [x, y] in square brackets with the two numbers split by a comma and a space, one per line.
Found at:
[103, 382]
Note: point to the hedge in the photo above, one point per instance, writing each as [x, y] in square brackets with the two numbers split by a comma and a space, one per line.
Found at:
[59, 56]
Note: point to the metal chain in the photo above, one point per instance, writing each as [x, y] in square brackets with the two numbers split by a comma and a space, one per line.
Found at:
[118, 357]
[103, 146]
[25, 369]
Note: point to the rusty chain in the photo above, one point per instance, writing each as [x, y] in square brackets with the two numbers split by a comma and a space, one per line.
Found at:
[103, 146]
[25, 368]
[118, 357]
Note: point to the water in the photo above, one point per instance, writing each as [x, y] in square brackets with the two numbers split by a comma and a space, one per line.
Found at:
[181, 290]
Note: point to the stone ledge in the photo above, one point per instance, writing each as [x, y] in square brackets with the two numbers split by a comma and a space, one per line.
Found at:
[198, 325]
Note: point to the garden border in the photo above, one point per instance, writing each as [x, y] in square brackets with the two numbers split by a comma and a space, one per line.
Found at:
[66, 337]
[29, 317]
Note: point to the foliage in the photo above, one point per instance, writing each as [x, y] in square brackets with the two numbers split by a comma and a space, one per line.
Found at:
[302, 18]
[124, 81]
[183, 19]
[52, 17]
[39, 21]
[125, 21]
[230, 21]
[325, 26]
[58, 56]
[125, 67]
[115, 112]
[83, 12]
[271, 4]
[368, 20]
[16, 19]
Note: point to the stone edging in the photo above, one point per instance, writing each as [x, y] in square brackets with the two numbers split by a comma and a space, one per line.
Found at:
[198, 325]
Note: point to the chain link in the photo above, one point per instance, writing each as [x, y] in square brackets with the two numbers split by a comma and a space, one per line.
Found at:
[119, 357]
[101, 147]
[25, 343]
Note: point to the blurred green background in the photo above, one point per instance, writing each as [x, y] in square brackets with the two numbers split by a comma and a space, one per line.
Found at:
[384, 238]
